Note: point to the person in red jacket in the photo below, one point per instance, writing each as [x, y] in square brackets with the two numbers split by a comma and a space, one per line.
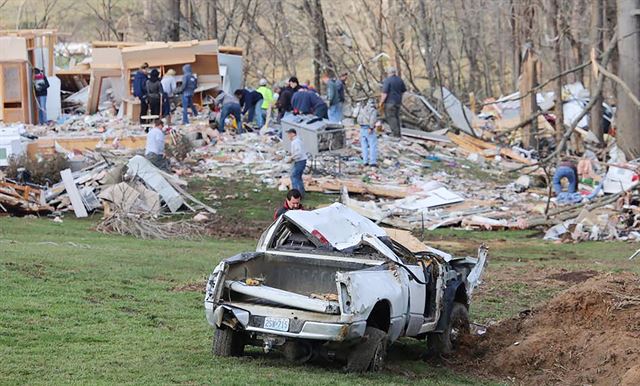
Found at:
[293, 202]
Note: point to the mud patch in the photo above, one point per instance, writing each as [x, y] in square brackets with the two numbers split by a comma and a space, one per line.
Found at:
[235, 228]
[573, 276]
[199, 286]
[587, 334]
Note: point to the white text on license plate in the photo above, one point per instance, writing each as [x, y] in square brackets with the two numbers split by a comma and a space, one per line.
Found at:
[278, 324]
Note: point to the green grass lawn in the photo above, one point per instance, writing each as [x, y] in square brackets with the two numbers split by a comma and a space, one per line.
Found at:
[78, 306]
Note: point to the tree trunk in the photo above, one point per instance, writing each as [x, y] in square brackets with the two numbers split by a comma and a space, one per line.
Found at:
[174, 20]
[213, 19]
[597, 24]
[555, 23]
[627, 113]
[528, 104]
[321, 57]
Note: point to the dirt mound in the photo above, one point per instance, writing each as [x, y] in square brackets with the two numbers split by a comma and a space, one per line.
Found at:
[588, 334]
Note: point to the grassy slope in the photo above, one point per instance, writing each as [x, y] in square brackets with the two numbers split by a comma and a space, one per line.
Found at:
[82, 307]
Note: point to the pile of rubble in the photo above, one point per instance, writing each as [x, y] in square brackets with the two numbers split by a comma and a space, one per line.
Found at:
[476, 177]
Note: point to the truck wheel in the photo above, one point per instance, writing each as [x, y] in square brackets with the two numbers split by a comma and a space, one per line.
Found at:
[369, 355]
[227, 343]
[444, 342]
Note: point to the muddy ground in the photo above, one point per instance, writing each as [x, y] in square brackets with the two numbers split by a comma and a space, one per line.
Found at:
[588, 334]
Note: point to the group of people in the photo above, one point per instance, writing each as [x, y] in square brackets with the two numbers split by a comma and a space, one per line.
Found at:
[295, 98]
[156, 94]
[255, 103]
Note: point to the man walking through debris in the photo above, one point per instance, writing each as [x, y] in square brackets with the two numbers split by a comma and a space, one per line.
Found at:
[154, 150]
[292, 202]
[267, 99]
[41, 84]
[333, 96]
[169, 87]
[187, 89]
[139, 83]
[299, 159]
[251, 103]
[284, 100]
[229, 105]
[367, 119]
[342, 83]
[392, 89]
[153, 92]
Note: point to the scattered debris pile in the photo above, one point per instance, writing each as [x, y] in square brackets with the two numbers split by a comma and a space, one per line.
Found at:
[22, 199]
[588, 334]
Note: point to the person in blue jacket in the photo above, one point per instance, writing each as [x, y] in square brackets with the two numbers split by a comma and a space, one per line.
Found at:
[187, 89]
[139, 87]
[251, 102]
[319, 106]
[301, 101]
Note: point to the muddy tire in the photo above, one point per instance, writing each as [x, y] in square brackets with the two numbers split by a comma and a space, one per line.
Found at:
[227, 343]
[445, 342]
[370, 354]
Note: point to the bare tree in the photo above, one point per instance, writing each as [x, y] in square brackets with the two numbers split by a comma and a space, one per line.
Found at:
[628, 113]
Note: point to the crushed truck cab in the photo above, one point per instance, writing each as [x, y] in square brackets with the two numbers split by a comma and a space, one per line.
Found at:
[331, 283]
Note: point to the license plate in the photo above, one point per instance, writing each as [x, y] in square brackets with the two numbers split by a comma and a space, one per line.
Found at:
[278, 324]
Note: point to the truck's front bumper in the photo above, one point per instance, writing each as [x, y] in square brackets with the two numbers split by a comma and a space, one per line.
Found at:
[302, 324]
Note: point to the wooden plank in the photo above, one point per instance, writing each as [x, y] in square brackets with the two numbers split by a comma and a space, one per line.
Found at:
[74, 194]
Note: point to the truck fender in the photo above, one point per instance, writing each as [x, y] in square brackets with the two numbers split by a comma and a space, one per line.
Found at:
[448, 298]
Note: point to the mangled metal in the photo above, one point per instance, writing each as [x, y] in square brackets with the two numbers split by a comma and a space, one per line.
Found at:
[322, 280]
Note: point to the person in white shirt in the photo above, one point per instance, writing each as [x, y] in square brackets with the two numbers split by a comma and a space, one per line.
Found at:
[299, 159]
[154, 150]
[169, 87]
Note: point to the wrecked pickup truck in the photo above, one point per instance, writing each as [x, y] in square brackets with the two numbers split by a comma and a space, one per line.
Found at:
[330, 283]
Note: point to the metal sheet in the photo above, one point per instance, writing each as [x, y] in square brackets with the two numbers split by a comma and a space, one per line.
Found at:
[341, 226]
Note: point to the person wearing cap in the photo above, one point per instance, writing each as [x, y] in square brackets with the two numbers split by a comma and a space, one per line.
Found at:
[267, 99]
[139, 83]
[334, 113]
[392, 89]
[169, 86]
[40, 85]
[299, 159]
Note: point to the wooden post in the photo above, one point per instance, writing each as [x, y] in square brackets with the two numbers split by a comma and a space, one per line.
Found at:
[528, 104]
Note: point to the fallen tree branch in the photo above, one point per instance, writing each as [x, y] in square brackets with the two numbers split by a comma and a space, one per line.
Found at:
[622, 84]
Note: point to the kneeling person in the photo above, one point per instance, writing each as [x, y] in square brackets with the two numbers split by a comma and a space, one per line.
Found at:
[154, 150]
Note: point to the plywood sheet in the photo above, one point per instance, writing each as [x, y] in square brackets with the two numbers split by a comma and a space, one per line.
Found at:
[106, 58]
[13, 48]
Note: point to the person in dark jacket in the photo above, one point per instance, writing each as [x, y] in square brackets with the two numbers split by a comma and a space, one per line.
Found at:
[187, 89]
[250, 101]
[153, 91]
[139, 83]
[292, 202]
[284, 100]
[333, 96]
[41, 84]
[319, 106]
